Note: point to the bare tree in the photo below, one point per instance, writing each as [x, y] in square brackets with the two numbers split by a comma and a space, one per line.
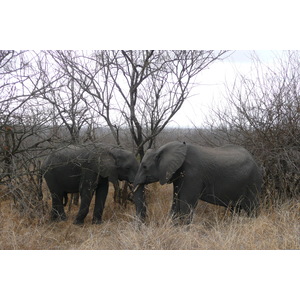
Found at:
[141, 90]
[157, 84]
[88, 71]
[22, 125]
[19, 88]
[66, 96]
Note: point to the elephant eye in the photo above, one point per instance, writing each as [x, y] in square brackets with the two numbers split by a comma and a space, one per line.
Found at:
[144, 167]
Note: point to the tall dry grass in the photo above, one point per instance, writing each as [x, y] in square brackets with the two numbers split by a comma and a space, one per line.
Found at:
[213, 227]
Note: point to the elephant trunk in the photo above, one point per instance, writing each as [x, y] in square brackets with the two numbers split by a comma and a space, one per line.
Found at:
[139, 201]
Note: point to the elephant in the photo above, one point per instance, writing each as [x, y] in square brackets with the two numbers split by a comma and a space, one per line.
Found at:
[86, 169]
[226, 176]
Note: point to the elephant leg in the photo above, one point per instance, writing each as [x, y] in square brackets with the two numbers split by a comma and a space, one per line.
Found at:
[57, 211]
[250, 203]
[101, 194]
[186, 212]
[251, 207]
[86, 195]
[188, 196]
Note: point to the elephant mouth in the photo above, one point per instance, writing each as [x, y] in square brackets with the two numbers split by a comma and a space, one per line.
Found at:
[149, 179]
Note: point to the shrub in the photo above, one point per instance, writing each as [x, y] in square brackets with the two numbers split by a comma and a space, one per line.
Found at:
[263, 115]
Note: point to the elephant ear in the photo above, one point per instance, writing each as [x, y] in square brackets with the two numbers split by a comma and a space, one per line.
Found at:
[116, 153]
[107, 166]
[170, 158]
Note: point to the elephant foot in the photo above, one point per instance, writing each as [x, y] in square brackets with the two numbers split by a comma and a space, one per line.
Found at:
[78, 222]
[96, 221]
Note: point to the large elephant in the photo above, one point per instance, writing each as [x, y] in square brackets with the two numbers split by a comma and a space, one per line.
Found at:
[226, 176]
[86, 169]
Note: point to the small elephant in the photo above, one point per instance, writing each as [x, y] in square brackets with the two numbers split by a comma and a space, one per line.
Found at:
[226, 176]
[86, 169]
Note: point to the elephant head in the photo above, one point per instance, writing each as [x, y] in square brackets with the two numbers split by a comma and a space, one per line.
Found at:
[110, 162]
[160, 165]
[125, 163]
[157, 165]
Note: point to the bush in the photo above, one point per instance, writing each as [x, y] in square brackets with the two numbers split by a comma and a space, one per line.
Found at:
[263, 115]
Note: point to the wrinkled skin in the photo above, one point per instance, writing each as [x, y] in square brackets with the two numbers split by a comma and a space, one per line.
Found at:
[86, 170]
[226, 176]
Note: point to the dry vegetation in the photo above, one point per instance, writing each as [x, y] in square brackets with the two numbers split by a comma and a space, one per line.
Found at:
[262, 115]
[212, 228]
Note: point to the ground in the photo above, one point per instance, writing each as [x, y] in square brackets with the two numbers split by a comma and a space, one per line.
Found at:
[277, 227]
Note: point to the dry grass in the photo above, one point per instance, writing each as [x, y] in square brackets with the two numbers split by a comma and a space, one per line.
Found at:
[212, 228]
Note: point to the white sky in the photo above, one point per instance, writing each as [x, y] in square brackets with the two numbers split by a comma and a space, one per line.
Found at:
[213, 81]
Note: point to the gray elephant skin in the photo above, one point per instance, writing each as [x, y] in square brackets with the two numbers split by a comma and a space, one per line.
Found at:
[86, 169]
[226, 176]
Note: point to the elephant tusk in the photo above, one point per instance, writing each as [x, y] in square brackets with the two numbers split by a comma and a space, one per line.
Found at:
[136, 188]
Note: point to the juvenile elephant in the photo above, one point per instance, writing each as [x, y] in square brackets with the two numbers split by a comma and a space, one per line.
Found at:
[226, 176]
[86, 169]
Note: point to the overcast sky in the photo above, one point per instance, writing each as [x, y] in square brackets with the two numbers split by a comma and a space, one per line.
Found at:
[213, 81]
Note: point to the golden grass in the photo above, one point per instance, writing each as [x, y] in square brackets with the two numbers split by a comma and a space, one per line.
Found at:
[212, 228]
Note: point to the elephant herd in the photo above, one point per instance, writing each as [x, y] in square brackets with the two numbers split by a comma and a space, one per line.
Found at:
[226, 176]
